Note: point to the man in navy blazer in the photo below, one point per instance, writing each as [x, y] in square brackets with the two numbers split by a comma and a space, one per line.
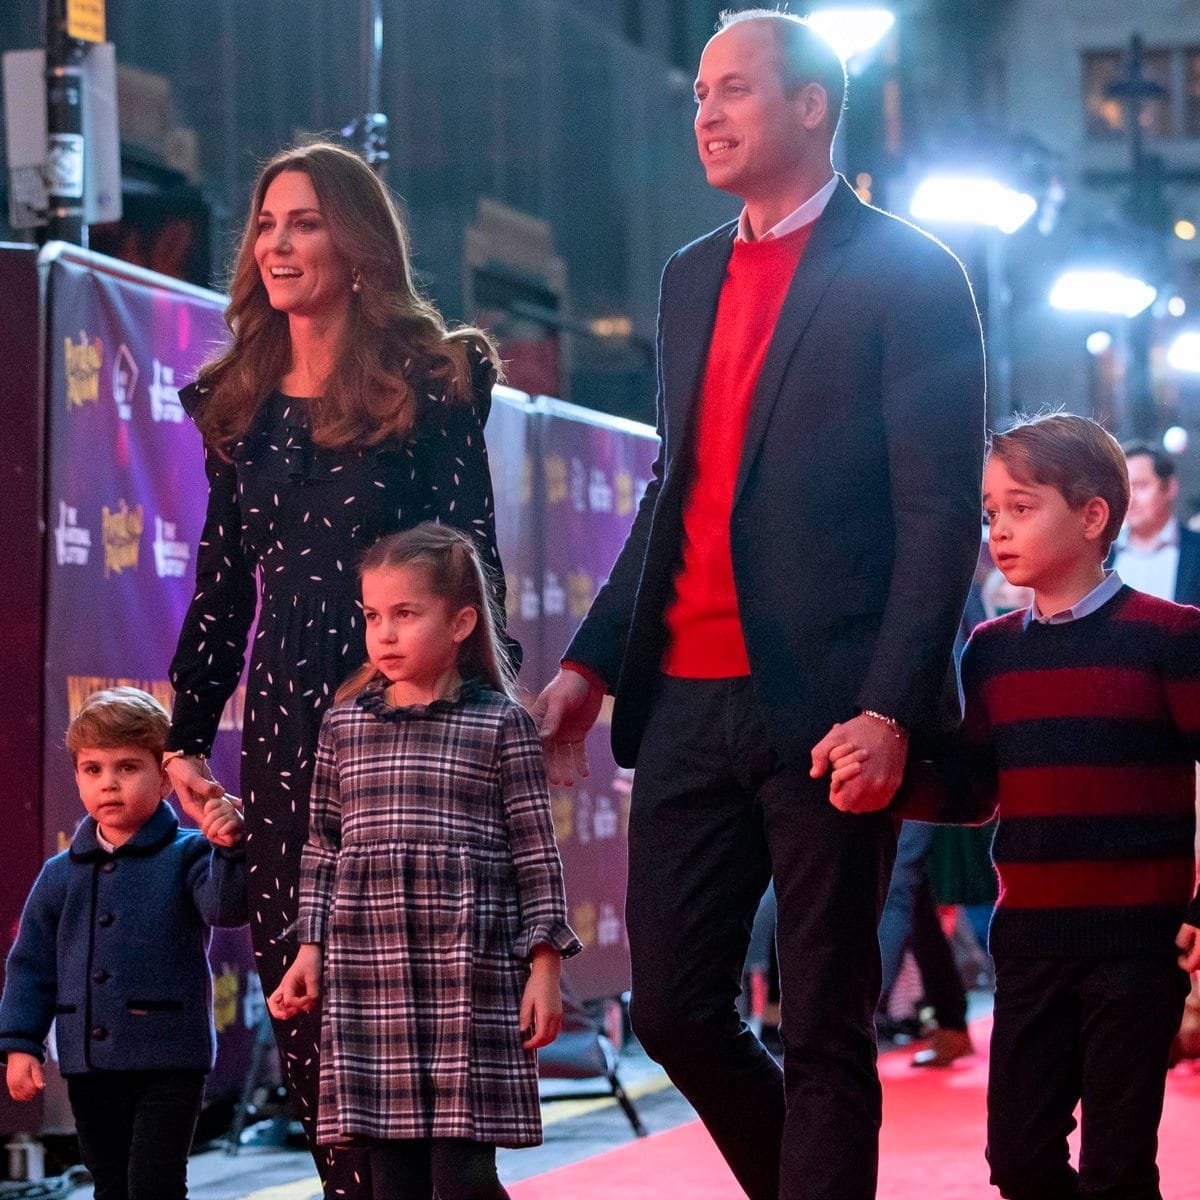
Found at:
[1156, 553]
[801, 558]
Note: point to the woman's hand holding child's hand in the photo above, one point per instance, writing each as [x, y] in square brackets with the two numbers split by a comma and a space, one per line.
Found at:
[839, 753]
[1189, 942]
[300, 988]
[24, 1076]
[222, 822]
[541, 1005]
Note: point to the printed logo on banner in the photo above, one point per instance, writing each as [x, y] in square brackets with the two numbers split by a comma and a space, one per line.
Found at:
[83, 361]
[72, 541]
[531, 603]
[578, 486]
[122, 529]
[581, 587]
[554, 596]
[583, 921]
[608, 927]
[171, 556]
[600, 494]
[623, 482]
[225, 997]
[562, 808]
[124, 381]
[555, 467]
[604, 819]
[164, 395]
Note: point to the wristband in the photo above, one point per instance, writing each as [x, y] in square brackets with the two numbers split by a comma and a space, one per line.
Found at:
[890, 722]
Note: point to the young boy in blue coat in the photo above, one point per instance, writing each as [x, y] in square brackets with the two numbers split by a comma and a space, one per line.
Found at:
[112, 948]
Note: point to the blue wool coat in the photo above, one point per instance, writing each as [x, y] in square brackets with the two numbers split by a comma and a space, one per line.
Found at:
[113, 949]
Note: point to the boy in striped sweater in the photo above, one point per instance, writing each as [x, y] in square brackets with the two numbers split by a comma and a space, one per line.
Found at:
[1082, 731]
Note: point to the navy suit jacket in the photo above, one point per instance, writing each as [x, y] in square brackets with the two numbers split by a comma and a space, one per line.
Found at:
[1187, 579]
[855, 523]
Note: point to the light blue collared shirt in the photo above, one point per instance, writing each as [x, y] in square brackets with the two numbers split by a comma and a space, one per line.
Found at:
[1100, 595]
[805, 214]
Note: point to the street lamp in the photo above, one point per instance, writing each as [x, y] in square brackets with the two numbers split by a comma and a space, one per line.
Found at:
[972, 200]
[1101, 290]
[1184, 352]
[852, 31]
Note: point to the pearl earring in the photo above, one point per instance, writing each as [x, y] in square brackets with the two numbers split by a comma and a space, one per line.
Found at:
[356, 280]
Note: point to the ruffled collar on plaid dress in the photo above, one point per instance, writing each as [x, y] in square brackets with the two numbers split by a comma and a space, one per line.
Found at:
[373, 699]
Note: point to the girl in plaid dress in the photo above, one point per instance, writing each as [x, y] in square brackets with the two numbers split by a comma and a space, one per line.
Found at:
[432, 914]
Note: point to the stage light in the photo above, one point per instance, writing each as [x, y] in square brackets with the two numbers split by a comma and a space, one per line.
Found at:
[1101, 290]
[1184, 352]
[852, 31]
[1099, 342]
[1185, 231]
[1175, 440]
[972, 200]
[1176, 306]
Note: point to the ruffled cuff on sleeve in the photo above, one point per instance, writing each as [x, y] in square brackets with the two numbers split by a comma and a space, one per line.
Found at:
[557, 934]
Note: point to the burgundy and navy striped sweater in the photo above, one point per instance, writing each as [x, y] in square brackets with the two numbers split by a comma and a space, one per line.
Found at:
[1083, 737]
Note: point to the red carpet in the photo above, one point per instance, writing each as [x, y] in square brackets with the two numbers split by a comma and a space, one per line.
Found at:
[931, 1147]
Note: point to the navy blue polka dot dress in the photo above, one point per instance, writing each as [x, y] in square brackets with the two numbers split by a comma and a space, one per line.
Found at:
[286, 525]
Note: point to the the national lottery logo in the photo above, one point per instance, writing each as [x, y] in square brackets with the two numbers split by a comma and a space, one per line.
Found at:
[83, 360]
[124, 381]
[581, 588]
[164, 395]
[608, 927]
[531, 602]
[623, 483]
[578, 485]
[604, 819]
[171, 556]
[122, 531]
[554, 596]
[72, 541]
[600, 494]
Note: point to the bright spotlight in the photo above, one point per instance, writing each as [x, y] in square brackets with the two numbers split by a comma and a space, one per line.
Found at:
[852, 31]
[1099, 342]
[1185, 231]
[972, 200]
[1101, 291]
[1175, 440]
[1176, 306]
[1184, 352]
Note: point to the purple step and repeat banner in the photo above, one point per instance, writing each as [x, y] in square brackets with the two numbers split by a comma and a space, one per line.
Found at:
[126, 495]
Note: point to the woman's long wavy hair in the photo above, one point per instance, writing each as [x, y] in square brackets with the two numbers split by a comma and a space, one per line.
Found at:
[456, 575]
[393, 336]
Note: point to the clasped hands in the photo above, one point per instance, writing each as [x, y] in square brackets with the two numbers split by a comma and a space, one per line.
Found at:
[864, 758]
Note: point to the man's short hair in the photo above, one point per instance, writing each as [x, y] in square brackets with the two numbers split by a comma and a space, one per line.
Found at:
[1074, 455]
[1163, 463]
[804, 55]
[116, 717]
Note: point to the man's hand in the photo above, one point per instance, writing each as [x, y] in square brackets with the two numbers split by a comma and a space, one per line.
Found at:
[541, 1005]
[868, 760]
[1189, 942]
[24, 1076]
[564, 712]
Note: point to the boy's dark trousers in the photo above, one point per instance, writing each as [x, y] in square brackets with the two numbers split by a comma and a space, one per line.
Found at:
[135, 1130]
[714, 814]
[1094, 1031]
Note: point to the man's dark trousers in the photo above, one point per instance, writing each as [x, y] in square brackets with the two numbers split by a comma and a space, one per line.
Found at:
[714, 814]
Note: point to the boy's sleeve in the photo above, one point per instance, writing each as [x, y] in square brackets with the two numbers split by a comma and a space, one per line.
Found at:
[957, 782]
[217, 881]
[318, 860]
[31, 973]
[1182, 683]
[526, 798]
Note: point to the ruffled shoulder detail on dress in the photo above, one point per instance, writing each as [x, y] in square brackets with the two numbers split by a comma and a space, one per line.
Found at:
[371, 699]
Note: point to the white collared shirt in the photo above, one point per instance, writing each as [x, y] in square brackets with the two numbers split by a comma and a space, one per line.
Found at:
[808, 212]
[1152, 570]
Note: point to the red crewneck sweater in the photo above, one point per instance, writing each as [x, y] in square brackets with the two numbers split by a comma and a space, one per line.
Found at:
[705, 631]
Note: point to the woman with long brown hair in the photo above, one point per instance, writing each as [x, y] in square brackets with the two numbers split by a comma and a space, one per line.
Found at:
[343, 410]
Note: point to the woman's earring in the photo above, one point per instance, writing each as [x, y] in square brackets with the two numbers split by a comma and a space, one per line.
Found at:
[356, 280]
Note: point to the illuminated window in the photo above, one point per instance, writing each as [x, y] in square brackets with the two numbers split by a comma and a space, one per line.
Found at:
[1104, 115]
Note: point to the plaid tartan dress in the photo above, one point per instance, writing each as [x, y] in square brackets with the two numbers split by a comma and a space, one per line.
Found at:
[429, 875]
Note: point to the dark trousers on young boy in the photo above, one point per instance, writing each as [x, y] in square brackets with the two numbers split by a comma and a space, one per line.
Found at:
[135, 1130]
[1092, 1031]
